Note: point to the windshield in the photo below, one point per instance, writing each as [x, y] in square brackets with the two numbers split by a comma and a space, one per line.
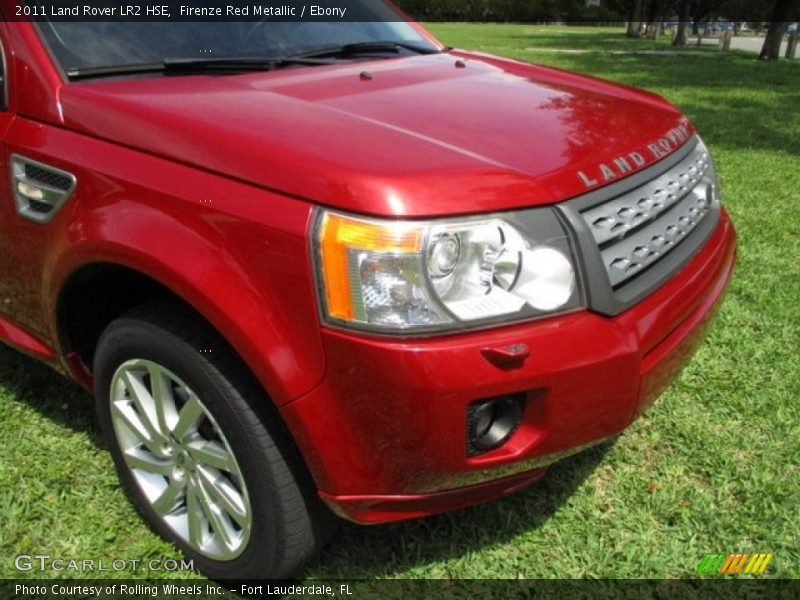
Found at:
[89, 45]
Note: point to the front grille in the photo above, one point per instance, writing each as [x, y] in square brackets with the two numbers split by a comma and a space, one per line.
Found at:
[635, 234]
[637, 229]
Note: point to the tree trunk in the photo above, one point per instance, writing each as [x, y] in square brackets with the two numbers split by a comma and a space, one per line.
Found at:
[771, 50]
[791, 47]
[635, 24]
[654, 30]
[683, 23]
[725, 40]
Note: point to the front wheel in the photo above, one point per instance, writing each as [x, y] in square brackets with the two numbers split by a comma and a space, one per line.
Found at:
[201, 454]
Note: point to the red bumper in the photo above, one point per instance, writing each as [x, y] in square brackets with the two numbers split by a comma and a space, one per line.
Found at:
[385, 432]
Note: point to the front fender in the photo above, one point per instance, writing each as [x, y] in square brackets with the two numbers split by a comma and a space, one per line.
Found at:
[237, 254]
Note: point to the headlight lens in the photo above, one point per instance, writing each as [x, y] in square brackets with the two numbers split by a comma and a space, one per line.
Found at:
[433, 275]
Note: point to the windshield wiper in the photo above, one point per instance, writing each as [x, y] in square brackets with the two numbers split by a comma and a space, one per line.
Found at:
[111, 71]
[198, 65]
[241, 64]
[378, 47]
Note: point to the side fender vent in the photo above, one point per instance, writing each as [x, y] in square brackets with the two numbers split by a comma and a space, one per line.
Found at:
[39, 190]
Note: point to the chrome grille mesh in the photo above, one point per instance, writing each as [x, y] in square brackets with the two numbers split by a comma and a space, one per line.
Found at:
[637, 229]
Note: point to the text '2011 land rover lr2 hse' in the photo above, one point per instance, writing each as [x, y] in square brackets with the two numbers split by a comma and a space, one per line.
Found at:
[313, 268]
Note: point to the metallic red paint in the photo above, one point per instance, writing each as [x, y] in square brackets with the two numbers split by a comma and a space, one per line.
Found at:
[395, 410]
[207, 185]
[176, 225]
[382, 509]
[282, 130]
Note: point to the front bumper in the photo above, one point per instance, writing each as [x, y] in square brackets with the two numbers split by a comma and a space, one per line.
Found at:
[384, 434]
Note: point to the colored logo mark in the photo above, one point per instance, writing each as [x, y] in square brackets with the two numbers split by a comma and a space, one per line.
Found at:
[734, 563]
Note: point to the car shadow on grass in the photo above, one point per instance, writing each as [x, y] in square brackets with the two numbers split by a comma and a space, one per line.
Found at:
[53, 396]
[355, 551]
[358, 552]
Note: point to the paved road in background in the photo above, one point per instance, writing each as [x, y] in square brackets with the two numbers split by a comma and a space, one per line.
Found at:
[752, 44]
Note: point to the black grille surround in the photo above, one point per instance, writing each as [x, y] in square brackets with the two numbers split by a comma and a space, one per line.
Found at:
[633, 235]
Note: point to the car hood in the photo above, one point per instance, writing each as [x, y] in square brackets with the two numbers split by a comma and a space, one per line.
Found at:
[452, 133]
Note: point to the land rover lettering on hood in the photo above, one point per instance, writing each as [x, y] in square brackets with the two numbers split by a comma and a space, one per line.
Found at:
[335, 270]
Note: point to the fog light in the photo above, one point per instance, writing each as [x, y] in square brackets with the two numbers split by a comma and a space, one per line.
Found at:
[490, 423]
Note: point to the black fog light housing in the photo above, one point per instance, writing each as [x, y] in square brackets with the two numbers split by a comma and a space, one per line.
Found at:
[490, 423]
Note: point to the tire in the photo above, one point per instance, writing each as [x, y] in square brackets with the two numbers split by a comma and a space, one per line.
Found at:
[203, 455]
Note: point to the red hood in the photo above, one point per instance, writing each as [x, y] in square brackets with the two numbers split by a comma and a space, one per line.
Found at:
[422, 137]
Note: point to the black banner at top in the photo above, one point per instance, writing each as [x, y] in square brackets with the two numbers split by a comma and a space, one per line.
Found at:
[722, 13]
[203, 10]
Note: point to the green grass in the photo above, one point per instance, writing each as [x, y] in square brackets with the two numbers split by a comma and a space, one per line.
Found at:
[712, 467]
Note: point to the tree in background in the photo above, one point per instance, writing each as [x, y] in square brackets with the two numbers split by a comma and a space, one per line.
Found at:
[782, 11]
[683, 23]
[702, 10]
[642, 15]
[519, 11]
[635, 20]
[657, 11]
[694, 12]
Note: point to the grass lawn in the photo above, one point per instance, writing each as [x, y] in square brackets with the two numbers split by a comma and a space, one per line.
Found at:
[714, 466]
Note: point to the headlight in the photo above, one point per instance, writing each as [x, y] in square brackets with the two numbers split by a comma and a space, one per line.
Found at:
[406, 276]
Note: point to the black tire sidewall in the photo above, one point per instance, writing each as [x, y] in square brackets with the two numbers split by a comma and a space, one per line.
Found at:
[128, 339]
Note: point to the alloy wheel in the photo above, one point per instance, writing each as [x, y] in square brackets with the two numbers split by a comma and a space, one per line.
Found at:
[180, 459]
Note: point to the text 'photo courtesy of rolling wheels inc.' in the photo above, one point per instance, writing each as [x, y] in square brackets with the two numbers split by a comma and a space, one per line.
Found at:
[135, 590]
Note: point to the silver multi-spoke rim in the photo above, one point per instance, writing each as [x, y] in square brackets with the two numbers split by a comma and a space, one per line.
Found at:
[180, 459]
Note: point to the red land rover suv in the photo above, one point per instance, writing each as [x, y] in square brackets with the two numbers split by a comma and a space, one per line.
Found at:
[312, 267]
